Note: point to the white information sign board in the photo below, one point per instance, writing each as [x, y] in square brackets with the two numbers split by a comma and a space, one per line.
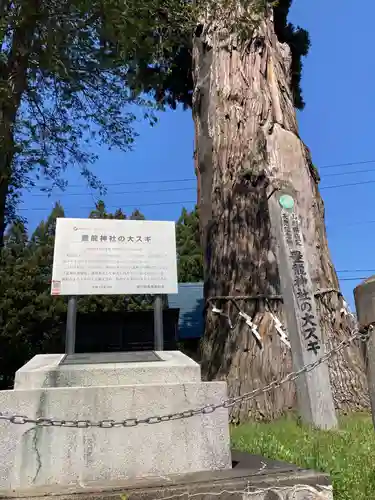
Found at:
[114, 257]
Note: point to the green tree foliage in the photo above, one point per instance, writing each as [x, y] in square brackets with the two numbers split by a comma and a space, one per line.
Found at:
[299, 42]
[100, 212]
[189, 251]
[170, 76]
[63, 82]
[31, 320]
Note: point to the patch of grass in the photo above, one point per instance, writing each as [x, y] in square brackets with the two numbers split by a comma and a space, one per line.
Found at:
[347, 454]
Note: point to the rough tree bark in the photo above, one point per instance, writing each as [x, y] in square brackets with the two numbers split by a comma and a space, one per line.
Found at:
[247, 136]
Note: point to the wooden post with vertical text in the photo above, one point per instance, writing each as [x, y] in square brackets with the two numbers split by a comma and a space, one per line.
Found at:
[314, 393]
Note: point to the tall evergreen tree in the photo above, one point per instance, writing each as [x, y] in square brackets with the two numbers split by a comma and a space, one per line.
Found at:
[137, 215]
[189, 250]
[30, 319]
[16, 237]
[100, 212]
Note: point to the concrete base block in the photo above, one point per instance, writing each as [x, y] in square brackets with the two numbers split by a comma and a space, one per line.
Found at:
[45, 370]
[33, 456]
[252, 478]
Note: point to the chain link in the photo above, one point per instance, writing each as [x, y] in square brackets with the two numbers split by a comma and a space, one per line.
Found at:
[362, 335]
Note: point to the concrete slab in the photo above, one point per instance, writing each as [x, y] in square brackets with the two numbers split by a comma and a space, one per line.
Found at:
[48, 456]
[252, 477]
[95, 358]
[46, 370]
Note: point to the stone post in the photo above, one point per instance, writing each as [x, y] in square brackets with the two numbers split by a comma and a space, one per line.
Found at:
[364, 296]
[314, 394]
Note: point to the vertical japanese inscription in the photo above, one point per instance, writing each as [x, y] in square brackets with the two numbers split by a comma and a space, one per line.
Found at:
[314, 391]
[302, 287]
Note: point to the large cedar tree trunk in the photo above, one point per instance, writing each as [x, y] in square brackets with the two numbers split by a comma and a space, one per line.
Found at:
[247, 136]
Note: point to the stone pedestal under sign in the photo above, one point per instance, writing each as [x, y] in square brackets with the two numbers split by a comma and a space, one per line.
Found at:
[77, 388]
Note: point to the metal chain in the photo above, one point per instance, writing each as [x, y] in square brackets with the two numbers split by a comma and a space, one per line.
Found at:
[363, 335]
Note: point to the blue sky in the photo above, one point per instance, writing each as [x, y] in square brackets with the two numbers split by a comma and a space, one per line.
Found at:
[337, 126]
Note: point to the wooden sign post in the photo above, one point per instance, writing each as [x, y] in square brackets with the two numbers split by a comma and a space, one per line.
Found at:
[314, 392]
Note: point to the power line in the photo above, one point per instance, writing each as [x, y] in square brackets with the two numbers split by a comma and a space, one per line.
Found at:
[357, 271]
[353, 279]
[357, 223]
[367, 170]
[366, 162]
[194, 178]
[124, 183]
[119, 192]
[335, 186]
[134, 205]
[347, 185]
[360, 223]
[347, 164]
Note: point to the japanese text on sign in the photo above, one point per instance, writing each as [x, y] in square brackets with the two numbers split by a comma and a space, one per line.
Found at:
[112, 238]
[301, 281]
[114, 257]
